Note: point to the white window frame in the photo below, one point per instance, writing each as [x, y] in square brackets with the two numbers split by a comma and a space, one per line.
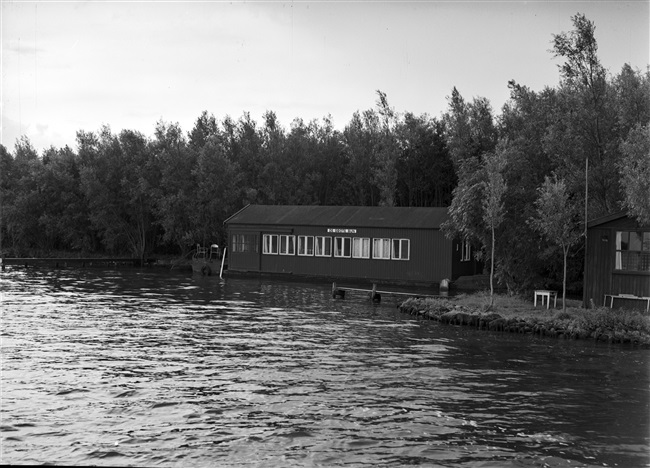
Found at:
[268, 247]
[323, 246]
[381, 248]
[361, 247]
[632, 251]
[287, 244]
[304, 249]
[400, 255]
[343, 241]
[465, 251]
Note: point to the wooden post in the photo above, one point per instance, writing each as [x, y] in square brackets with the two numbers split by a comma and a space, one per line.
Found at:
[374, 295]
[337, 293]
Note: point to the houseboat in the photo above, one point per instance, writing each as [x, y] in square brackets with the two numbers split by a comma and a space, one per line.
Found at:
[391, 245]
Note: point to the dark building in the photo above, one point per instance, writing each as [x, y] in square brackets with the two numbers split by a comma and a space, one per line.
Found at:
[380, 244]
[618, 262]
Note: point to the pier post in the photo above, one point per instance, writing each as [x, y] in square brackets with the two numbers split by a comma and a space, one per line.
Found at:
[374, 295]
[337, 293]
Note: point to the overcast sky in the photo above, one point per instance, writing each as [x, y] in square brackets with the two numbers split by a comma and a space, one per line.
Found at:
[69, 66]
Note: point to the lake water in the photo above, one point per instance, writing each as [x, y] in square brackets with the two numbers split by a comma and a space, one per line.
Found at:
[161, 368]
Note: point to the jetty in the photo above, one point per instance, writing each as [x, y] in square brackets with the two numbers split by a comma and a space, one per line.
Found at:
[374, 294]
[44, 262]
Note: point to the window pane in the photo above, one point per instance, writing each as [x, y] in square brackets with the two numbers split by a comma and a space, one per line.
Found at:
[338, 243]
[347, 246]
[327, 246]
[361, 247]
[396, 248]
[636, 239]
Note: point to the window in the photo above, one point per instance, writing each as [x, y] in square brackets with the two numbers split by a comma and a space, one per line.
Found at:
[466, 252]
[244, 243]
[381, 248]
[633, 250]
[342, 246]
[323, 247]
[270, 244]
[361, 247]
[305, 245]
[401, 249]
[287, 245]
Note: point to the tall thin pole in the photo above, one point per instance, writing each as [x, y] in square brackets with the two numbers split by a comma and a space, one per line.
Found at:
[585, 301]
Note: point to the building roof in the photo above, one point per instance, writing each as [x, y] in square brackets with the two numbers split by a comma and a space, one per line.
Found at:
[631, 221]
[606, 219]
[341, 216]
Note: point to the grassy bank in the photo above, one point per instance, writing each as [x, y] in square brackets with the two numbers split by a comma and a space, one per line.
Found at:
[516, 315]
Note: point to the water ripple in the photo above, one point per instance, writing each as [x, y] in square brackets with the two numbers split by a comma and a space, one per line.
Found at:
[141, 367]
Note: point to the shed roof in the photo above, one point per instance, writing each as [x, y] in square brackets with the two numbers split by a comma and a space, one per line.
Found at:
[341, 216]
[619, 219]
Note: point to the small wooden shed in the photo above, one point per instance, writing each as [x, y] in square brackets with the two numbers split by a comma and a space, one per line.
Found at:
[379, 244]
[618, 262]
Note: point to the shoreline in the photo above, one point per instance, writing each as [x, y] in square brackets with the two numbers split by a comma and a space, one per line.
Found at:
[514, 315]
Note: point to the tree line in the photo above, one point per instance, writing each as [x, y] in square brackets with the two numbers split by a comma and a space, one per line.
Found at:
[126, 193]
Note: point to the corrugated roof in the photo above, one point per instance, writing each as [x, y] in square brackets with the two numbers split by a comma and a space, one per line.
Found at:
[606, 219]
[341, 216]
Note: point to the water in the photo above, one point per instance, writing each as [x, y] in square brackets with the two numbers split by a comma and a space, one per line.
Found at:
[159, 368]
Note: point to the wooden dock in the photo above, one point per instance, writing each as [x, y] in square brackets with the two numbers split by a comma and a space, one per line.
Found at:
[374, 294]
[78, 262]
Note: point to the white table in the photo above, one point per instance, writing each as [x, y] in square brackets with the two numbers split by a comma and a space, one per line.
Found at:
[545, 293]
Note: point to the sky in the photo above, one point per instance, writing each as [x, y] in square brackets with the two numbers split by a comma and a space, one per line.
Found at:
[78, 65]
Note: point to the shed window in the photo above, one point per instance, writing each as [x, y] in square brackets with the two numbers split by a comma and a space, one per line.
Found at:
[466, 252]
[287, 245]
[401, 249]
[305, 245]
[342, 247]
[633, 250]
[270, 244]
[244, 243]
[323, 247]
[381, 249]
[361, 247]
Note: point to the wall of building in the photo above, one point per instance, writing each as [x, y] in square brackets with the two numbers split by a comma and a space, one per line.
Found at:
[430, 256]
[602, 275]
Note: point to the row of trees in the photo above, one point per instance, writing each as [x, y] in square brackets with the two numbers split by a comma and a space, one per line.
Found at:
[553, 158]
[125, 192]
[128, 193]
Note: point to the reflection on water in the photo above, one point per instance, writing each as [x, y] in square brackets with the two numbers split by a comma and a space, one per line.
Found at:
[145, 367]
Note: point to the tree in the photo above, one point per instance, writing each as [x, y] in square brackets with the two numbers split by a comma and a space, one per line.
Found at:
[634, 169]
[557, 220]
[466, 209]
[175, 197]
[585, 127]
[425, 173]
[385, 173]
[120, 188]
[524, 121]
[470, 128]
[493, 207]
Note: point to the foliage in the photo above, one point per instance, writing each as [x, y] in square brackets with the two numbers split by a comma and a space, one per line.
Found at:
[493, 206]
[557, 220]
[127, 193]
[634, 169]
